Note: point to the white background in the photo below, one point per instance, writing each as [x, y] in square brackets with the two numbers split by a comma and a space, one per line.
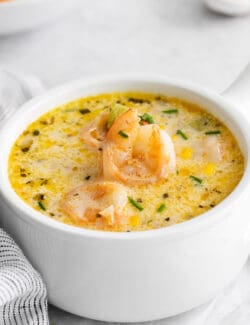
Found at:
[176, 38]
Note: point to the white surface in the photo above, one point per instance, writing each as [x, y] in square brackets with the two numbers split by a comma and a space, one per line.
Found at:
[178, 38]
[19, 15]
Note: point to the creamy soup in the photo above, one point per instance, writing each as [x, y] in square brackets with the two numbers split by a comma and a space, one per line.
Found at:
[125, 162]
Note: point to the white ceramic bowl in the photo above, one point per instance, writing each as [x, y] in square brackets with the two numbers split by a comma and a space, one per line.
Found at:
[20, 15]
[229, 7]
[137, 276]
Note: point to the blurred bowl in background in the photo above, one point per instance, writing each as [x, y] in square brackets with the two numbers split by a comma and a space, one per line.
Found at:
[229, 7]
[20, 15]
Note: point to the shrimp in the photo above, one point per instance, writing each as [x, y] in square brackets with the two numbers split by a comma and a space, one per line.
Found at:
[95, 200]
[211, 149]
[146, 154]
[95, 131]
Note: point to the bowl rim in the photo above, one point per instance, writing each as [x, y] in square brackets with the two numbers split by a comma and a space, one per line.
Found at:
[196, 224]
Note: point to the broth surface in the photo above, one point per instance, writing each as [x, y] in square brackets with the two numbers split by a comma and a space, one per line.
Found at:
[49, 159]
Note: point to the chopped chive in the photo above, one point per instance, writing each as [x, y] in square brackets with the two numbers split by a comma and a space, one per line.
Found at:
[213, 132]
[135, 204]
[138, 100]
[183, 135]
[84, 111]
[25, 149]
[161, 208]
[41, 206]
[170, 111]
[123, 134]
[196, 179]
[147, 118]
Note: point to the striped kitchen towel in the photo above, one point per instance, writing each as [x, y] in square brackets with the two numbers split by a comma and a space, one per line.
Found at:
[23, 296]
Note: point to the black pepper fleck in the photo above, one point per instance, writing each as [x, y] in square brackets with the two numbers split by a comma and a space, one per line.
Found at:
[44, 181]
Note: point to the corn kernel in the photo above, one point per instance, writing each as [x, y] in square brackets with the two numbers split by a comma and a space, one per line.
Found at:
[48, 143]
[184, 172]
[134, 221]
[187, 153]
[173, 136]
[209, 169]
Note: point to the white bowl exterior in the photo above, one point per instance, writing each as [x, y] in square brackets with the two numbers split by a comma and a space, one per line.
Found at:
[135, 280]
[133, 276]
[20, 15]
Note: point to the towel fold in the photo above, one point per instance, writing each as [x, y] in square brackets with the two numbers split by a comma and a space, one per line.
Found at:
[23, 296]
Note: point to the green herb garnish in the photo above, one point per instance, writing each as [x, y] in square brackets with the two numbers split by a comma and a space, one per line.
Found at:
[135, 204]
[200, 123]
[183, 135]
[84, 111]
[170, 111]
[161, 208]
[138, 100]
[123, 134]
[25, 149]
[213, 132]
[147, 118]
[41, 206]
[196, 179]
